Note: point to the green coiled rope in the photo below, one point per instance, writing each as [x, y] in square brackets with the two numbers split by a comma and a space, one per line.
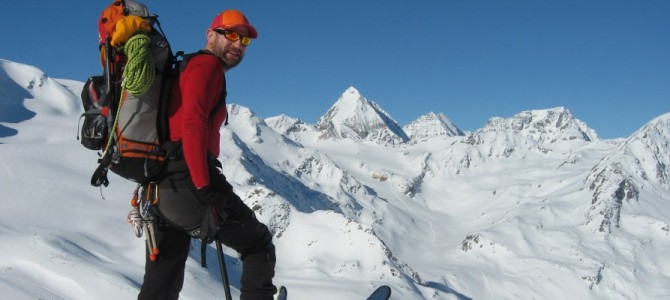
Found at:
[139, 71]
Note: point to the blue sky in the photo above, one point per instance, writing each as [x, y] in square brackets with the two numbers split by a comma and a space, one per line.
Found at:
[607, 61]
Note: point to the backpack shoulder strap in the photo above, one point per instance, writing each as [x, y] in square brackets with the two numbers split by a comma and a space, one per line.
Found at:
[182, 65]
[186, 57]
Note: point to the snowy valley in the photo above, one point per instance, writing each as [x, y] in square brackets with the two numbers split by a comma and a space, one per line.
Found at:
[533, 206]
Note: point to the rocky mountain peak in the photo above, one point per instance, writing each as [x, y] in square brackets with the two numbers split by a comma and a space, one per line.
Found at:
[431, 125]
[544, 126]
[355, 117]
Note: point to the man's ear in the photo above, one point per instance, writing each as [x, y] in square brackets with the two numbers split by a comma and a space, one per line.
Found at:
[211, 37]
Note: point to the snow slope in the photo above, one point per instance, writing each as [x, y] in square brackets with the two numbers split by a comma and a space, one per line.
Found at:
[534, 206]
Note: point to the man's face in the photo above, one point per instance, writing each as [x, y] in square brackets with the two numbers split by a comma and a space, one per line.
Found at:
[229, 51]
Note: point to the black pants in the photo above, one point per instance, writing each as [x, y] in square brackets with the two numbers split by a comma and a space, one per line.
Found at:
[241, 231]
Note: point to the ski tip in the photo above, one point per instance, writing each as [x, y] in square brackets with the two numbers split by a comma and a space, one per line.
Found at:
[381, 293]
[282, 294]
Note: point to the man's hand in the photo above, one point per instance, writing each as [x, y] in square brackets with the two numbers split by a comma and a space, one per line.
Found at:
[209, 195]
[216, 193]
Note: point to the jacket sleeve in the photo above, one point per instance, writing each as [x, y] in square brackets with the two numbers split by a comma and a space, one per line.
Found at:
[201, 85]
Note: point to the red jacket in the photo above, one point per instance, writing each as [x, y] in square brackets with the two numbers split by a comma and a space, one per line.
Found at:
[197, 113]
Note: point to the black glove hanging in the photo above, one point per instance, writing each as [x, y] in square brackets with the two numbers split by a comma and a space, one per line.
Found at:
[217, 193]
[210, 195]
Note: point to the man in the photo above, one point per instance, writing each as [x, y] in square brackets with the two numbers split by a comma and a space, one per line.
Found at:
[194, 184]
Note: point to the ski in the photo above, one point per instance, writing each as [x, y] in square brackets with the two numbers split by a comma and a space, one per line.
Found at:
[381, 293]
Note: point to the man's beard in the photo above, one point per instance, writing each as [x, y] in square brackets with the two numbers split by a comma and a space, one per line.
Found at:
[228, 62]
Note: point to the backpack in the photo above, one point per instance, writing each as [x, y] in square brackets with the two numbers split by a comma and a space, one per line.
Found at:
[127, 124]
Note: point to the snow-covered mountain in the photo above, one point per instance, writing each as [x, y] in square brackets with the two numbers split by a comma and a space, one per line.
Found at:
[355, 117]
[534, 206]
[544, 126]
[431, 125]
[621, 179]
